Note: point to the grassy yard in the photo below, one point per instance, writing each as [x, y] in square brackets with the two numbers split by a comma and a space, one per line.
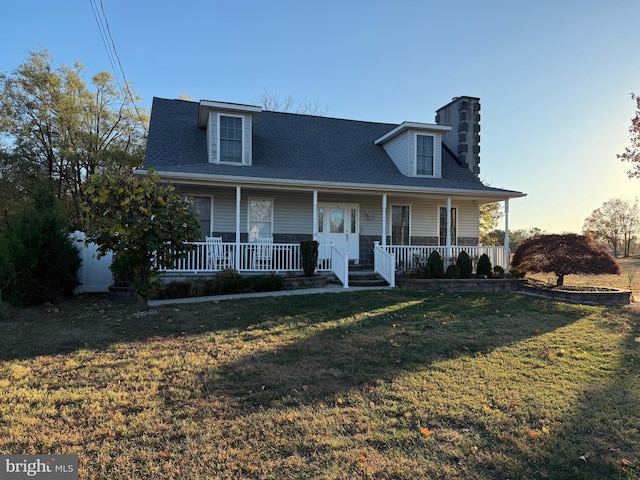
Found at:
[385, 385]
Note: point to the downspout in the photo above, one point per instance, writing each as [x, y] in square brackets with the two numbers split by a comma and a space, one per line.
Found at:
[238, 198]
[448, 255]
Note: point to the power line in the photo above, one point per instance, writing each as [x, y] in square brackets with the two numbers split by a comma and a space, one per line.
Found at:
[110, 45]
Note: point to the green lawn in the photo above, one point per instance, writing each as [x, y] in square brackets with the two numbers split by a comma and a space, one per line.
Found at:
[384, 384]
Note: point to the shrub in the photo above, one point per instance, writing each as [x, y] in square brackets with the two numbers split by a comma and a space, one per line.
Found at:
[309, 252]
[436, 265]
[465, 264]
[484, 266]
[453, 271]
[498, 272]
[40, 261]
[227, 281]
[517, 273]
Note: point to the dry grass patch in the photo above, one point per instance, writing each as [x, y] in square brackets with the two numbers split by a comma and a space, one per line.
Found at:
[387, 385]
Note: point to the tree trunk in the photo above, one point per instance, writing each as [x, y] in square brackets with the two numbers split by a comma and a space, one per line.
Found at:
[560, 281]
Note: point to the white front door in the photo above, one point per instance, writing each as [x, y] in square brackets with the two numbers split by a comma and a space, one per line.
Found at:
[339, 224]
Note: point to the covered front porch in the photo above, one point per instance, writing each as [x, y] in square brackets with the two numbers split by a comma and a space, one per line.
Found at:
[258, 230]
[285, 258]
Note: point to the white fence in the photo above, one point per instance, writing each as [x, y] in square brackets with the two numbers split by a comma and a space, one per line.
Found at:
[94, 275]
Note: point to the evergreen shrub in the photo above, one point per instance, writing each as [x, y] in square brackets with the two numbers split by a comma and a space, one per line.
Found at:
[465, 264]
[484, 266]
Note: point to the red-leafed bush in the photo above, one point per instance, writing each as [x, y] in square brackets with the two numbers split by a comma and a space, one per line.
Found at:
[563, 255]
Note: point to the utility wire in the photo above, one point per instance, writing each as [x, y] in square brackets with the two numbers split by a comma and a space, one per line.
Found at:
[110, 46]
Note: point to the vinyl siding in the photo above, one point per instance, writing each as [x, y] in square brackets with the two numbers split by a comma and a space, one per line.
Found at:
[293, 211]
[398, 150]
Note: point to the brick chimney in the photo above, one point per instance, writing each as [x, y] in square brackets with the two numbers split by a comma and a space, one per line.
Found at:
[463, 115]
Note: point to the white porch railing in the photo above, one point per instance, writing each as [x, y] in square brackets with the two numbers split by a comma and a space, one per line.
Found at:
[285, 257]
[384, 264]
[408, 256]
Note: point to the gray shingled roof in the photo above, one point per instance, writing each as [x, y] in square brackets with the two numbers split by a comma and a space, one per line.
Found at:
[292, 146]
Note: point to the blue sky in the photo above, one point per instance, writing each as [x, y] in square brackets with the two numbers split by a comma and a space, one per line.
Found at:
[554, 77]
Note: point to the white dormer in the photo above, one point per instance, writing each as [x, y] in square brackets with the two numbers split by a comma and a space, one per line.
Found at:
[229, 129]
[415, 148]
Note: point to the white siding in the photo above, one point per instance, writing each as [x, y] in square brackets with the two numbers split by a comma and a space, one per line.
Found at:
[398, 150]
[402, 150]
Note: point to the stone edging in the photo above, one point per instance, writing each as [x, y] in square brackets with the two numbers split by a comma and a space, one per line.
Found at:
[609, 297]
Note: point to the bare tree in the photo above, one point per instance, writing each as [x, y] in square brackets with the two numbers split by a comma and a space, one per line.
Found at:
[270, 101]
[632, 153]
[615, 222]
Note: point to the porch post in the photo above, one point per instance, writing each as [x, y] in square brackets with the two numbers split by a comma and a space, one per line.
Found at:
[448, 255]
[238, 198]
[315, 215]
[507, 248]
[384, 219]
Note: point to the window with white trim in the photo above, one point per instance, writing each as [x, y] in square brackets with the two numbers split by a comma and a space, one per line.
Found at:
[400, 218]
[425, 155]
[203, 208]
[260, 218]
[443, 226]
[230, 137]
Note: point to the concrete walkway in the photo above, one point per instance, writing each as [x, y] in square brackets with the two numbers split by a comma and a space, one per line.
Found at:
[279, 293]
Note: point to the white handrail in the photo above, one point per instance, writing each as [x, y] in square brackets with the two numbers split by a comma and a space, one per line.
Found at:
[384, 264]
[340, 264]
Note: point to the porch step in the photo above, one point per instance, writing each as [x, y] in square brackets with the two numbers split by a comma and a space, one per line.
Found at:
[365, 278]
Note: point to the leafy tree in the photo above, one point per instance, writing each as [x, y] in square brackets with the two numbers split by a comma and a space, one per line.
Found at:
[145, 224]
[60, 129]
[632, 153]
[615, 222]
[563, 255]
[496, 237]
[39, 262]
[490, 214]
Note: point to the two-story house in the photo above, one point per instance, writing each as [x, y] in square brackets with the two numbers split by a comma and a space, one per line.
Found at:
[361, 189]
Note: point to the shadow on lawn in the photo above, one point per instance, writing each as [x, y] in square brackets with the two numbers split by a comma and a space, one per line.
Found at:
[361, 346]
[600, 439]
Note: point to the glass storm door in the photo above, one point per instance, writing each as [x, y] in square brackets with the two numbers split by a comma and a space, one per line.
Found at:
[339, 224]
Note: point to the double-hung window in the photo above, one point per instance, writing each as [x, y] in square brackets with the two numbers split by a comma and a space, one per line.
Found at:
[443, 226]
[230, 139]
[400, 224]
[424, 155]
[260, 218]
[203, 208]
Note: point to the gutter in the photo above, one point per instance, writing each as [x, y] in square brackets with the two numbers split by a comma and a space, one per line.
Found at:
[270, 183]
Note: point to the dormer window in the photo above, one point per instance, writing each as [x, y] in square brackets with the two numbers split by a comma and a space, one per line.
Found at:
[424, 155]
[229, 131]
[230, 138]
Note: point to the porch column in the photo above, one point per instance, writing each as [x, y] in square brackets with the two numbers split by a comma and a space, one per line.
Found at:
[448, 255]
[238, 198]
[315, 215]
[384, 219]
[507, 252]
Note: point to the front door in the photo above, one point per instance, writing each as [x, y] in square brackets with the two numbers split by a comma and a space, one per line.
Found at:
[339, 224]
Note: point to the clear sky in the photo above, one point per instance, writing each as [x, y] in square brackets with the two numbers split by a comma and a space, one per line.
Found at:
[553, 76]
